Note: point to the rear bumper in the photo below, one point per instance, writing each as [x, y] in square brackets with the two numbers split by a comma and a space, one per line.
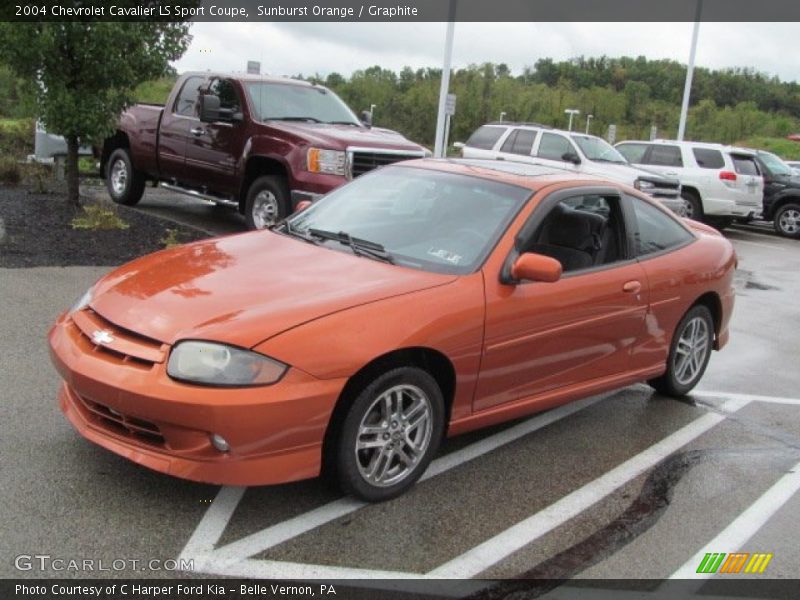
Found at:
[275, 432]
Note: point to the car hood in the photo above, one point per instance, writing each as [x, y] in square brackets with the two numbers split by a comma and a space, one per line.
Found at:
[246, 288]
[342, 136]
[625, 173]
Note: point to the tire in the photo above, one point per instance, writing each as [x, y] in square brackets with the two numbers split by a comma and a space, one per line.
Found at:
[694, 334]
[693, 206]
[379, 472]
[125, 184]
[267, 202]
[787, 220]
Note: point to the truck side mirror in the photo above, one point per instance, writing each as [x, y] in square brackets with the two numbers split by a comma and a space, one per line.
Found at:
[209, 108]
[366, 118]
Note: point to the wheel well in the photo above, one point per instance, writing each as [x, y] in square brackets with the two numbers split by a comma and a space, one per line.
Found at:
[712, 302]
[436, 364]
[783, 201]
[694, 192]
[118, 140]
[256, 167]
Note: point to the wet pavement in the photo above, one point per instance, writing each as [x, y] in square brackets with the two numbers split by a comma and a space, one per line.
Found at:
[627, 485]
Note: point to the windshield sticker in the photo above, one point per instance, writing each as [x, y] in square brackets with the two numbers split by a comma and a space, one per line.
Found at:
[445, 255]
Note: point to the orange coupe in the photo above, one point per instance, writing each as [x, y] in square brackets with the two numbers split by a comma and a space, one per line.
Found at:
[421, 300]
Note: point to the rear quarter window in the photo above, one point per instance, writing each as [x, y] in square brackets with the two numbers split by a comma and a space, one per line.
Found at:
[708, 159]
[745, 165]
[656, 231]
[485, 137]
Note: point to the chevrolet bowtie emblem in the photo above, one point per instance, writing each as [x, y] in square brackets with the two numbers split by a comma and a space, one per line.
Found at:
[102, 336]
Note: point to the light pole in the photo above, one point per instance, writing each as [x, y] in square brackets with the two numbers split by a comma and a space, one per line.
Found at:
[588, 120]
[687, 87]
[438, 149]
[502, 116]
[571, 112]
[372, 112]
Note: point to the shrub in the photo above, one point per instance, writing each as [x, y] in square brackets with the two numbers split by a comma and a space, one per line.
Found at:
[16, 137]
[9, 170]
[98, 216]
[171, 238]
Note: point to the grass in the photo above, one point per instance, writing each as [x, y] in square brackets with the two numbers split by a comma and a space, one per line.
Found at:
[98, 216]
[155, 91]
[171, 238]
[786, 149]
[16, 137]
[10, 172]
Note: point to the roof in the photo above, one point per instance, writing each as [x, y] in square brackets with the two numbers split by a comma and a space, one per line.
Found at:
[693, 144]
[252, 77]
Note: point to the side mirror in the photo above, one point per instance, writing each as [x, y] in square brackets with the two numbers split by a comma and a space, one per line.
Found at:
[209, 108]
[366, 118]
[536, 267]
[571, 157]
[302, 205]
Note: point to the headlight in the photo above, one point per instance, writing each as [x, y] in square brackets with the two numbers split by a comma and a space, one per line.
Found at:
[326, 161]
[217, 364]
[83, 301]
[642, 185]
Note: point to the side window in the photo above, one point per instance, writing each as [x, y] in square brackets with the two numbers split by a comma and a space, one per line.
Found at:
[186, 104]
[554, 146]
[228, 97]
[485, 137]
[745, 165]
[708, 159]
[633, 153]
[509, 143]
[581, 232]
[656, 230]
[519, 142]
[666, 156]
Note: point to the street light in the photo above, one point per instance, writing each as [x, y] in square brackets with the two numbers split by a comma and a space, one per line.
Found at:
[588, 120]
[502, 116]
[372, 112]
[571, 112]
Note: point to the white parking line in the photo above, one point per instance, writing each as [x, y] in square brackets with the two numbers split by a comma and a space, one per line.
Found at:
[745, 526]
[752, 397]
[492, 551]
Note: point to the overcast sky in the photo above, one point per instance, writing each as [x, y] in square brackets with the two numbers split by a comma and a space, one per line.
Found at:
[308, 48]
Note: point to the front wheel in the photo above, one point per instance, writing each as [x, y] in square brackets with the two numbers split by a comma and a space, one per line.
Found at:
[692, 206]
[266, 203]
[688, 354]
[390, 434]
[125, 184]
[787, 220]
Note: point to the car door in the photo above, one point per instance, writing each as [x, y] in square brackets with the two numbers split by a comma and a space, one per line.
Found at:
[174, 130]
[518, 146]
[542, 336]
[747, 186]
[551, 150]
[213, 149]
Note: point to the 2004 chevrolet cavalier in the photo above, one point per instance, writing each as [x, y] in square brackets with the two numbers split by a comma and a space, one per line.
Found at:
[421, 300]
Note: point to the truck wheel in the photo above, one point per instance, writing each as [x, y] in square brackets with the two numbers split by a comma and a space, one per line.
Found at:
[266, 203]
[125, 184]
[693, 206]
[787, 220]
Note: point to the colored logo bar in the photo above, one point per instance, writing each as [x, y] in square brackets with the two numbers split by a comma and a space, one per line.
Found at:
[720, 562]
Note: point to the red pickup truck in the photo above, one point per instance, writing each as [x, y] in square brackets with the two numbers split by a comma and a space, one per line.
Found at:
[260, 144]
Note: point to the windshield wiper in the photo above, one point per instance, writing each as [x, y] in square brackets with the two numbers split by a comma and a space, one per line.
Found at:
[289, 229]
[343, 123]
[307, 119]
[360, 247]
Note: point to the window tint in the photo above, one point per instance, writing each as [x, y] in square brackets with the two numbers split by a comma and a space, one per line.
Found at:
[186, 104]
[744, 165]
[708, 159]
[633, 153]
[657, 231]
[228, 97]
[666, 156]
[554, 146]
[485, 137]
[519, 142]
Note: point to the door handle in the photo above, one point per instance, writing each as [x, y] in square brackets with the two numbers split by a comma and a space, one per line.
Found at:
[197, 131]
[632, 287]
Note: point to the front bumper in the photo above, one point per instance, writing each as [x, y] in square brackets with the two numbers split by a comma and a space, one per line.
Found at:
[134, 409]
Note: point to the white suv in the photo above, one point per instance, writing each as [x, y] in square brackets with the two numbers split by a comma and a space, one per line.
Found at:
[587, 154]
[719, 182]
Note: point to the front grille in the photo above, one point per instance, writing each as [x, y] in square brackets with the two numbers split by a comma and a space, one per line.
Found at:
[125, 425]
[126, 347]
[363, 161]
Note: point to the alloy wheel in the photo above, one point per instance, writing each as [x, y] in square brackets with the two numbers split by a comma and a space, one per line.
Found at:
[692, 350]
[789, 221]
[265, 209]
[119, 176]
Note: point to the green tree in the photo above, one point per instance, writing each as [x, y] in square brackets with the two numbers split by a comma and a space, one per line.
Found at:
[82, 75]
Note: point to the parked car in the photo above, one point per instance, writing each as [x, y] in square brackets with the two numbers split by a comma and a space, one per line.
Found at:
[795, 165]
[422, 300]
[781, 194]
[259, 144]
[719, 183]
[532, 143]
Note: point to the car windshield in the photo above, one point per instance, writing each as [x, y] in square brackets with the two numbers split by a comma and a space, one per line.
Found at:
[595, 148]
[295, 102]
[775, 164]
[424, 219]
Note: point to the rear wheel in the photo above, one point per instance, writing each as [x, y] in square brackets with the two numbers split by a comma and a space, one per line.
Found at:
[390, 434]
[787, 220]
[689, 353]
[692, 206]
[125, 184]
[266, 203]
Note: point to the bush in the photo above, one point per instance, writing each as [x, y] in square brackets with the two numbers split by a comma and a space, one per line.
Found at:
[98, 216]
[16, 137]
[9, 171]
[786, 149]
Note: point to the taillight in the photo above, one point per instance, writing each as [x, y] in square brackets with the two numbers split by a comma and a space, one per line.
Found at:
[727, 175]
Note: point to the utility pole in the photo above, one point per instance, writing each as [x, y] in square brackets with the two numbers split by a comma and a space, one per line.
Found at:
[687, 88]
[438, 148]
